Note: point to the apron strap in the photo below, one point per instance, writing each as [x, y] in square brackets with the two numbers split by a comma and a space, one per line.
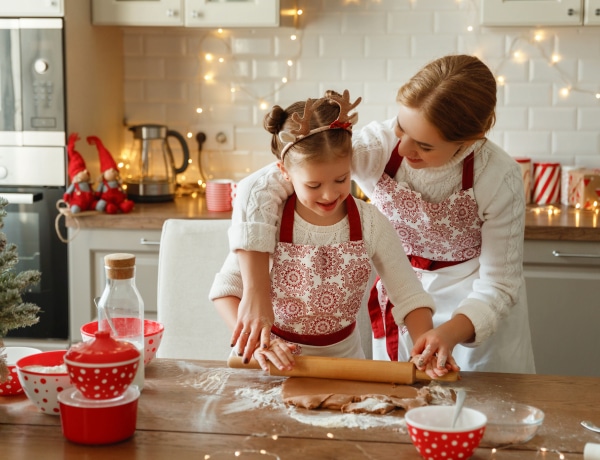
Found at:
[286, 232]
[321, 340]
[468, 171]
[391, 168]
[383, 325]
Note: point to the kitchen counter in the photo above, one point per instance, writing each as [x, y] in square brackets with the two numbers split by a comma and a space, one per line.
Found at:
[541, 223]
[202, 409]
[149, 216]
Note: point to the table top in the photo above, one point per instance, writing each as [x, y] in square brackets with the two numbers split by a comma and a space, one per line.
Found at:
[202, 409]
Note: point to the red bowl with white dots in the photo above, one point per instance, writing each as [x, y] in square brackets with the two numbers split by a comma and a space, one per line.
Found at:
[43, 376]
[153, 334]
[429, 428]
[102, 368]
[11, 386]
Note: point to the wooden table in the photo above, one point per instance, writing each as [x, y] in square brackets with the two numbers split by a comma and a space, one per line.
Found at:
[201, 410]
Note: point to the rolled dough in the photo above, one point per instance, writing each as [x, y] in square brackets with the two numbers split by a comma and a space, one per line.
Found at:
[352, 396]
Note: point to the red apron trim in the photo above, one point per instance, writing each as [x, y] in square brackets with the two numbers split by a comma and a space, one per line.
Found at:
[390, 329]
[432, 265]
[320, 340]
[392, 166]
[286, 233]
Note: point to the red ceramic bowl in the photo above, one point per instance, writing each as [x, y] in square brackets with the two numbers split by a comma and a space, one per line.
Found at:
[431, 433]
[12, 386]
[86, 421]
[102, 368]
[43, 376]
[153, 334]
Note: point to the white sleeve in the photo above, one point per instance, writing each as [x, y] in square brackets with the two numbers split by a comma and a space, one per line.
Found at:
[385, 248]
[372, 148]
[501, 201]
[256, 210]
[228, 281]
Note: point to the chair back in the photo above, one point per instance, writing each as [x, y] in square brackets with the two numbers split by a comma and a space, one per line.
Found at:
[191, 253]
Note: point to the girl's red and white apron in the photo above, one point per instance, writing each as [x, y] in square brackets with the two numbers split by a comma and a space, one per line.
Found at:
[317, 290]
[443, 243]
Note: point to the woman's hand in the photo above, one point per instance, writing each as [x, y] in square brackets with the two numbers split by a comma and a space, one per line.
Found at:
[280, 353]
[254, 321]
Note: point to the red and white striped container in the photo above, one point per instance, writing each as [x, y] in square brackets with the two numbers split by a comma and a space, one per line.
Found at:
[546, 183]
[525, 164]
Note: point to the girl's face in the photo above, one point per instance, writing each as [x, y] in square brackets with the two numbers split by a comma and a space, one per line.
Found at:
[421, 144]
[321, 188]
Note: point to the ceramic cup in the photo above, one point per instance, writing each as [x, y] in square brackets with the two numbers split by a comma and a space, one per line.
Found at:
[220, 194]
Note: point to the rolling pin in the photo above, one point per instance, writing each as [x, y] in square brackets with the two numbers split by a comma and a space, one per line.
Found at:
[365, 370]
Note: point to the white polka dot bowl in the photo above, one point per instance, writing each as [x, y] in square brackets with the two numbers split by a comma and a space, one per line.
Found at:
[43, 376]
[429, 428]
[153, 334]
[11, 386]
[102, 368]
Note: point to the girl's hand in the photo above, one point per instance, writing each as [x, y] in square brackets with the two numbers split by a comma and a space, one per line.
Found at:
[432, 353]
[280, 353]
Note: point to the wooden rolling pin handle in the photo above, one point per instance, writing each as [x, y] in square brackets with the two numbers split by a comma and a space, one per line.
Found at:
[347, 369]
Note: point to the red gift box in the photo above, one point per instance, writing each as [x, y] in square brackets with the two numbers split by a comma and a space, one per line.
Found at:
[584, 190]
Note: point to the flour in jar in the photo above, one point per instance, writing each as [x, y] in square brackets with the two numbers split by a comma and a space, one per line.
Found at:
[60, 369]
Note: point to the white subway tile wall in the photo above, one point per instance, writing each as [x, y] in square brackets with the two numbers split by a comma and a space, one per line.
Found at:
[370, 47]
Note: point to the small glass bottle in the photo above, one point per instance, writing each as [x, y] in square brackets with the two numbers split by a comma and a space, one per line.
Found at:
[121, 308]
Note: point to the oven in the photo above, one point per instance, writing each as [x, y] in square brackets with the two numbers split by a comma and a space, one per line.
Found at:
[33, 164]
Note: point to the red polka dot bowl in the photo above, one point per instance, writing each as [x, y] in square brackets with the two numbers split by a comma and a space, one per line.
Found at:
[102, 368]
[11, 386]
[43, 376]
[429, 428]
[153, 334]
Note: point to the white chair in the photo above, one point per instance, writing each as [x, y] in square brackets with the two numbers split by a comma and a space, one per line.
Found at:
[191, 252]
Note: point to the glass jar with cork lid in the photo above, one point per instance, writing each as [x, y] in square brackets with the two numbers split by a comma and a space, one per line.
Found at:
[121, 308]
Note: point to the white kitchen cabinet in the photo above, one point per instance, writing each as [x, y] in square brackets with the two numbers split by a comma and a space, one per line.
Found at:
[540, 12]
[224, 13]
[32, 8]
[188, 13]
[563, 293]
[86, 269]
[137, 12]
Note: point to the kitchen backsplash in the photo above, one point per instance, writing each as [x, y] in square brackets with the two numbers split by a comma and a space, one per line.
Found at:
[369, 47]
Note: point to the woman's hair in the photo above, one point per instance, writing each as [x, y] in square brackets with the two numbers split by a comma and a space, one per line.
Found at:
[320, 146]
[456, 94]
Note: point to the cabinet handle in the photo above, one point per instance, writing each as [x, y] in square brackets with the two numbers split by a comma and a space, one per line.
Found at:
[567, 254]
[146, 242]
[570, 11]
[171, 13]
[597, 12]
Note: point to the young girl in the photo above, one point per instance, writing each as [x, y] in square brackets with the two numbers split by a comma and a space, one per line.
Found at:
[456, 200]
[326, 243]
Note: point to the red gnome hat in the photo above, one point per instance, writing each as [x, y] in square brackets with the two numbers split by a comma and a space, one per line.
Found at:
[76, 161]
[106, 160]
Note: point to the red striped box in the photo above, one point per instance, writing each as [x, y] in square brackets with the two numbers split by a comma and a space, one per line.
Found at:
[546, 183]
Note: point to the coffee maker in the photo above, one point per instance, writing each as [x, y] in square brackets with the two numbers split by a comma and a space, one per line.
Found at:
[151, 176]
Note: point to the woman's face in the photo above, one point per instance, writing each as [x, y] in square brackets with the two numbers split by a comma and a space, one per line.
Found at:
[321, 188]
[421, 144]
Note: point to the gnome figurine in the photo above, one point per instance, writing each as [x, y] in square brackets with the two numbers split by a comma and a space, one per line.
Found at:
[112, 198]
[79, 195]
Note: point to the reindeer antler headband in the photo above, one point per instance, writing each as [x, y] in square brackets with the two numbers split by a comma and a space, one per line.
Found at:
[345, 120]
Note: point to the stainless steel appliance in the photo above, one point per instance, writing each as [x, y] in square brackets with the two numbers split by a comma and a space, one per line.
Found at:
[152, 172]
[33, 161]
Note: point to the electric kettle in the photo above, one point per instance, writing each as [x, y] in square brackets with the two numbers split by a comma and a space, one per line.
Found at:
[151, 176]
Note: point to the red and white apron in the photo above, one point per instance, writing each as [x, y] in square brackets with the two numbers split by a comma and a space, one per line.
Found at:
[317, 290]
[443, 243]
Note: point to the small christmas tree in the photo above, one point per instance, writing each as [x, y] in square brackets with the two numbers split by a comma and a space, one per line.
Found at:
[14, 313]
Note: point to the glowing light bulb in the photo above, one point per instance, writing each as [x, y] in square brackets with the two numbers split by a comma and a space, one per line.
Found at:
[470, 29]
[293, 37]
[597, 95]
[290, 63]
[208, 77]
[564, 92]
[501, 80]
[221, 60]
[299, 12]
[219, 30]
[209, 57]
[555, 58]
[538, 37]
[199, 110]
[263, 105]
[284, 80]
[189, 136]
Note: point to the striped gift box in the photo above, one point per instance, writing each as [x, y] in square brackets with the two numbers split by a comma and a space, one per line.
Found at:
[546, 183]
